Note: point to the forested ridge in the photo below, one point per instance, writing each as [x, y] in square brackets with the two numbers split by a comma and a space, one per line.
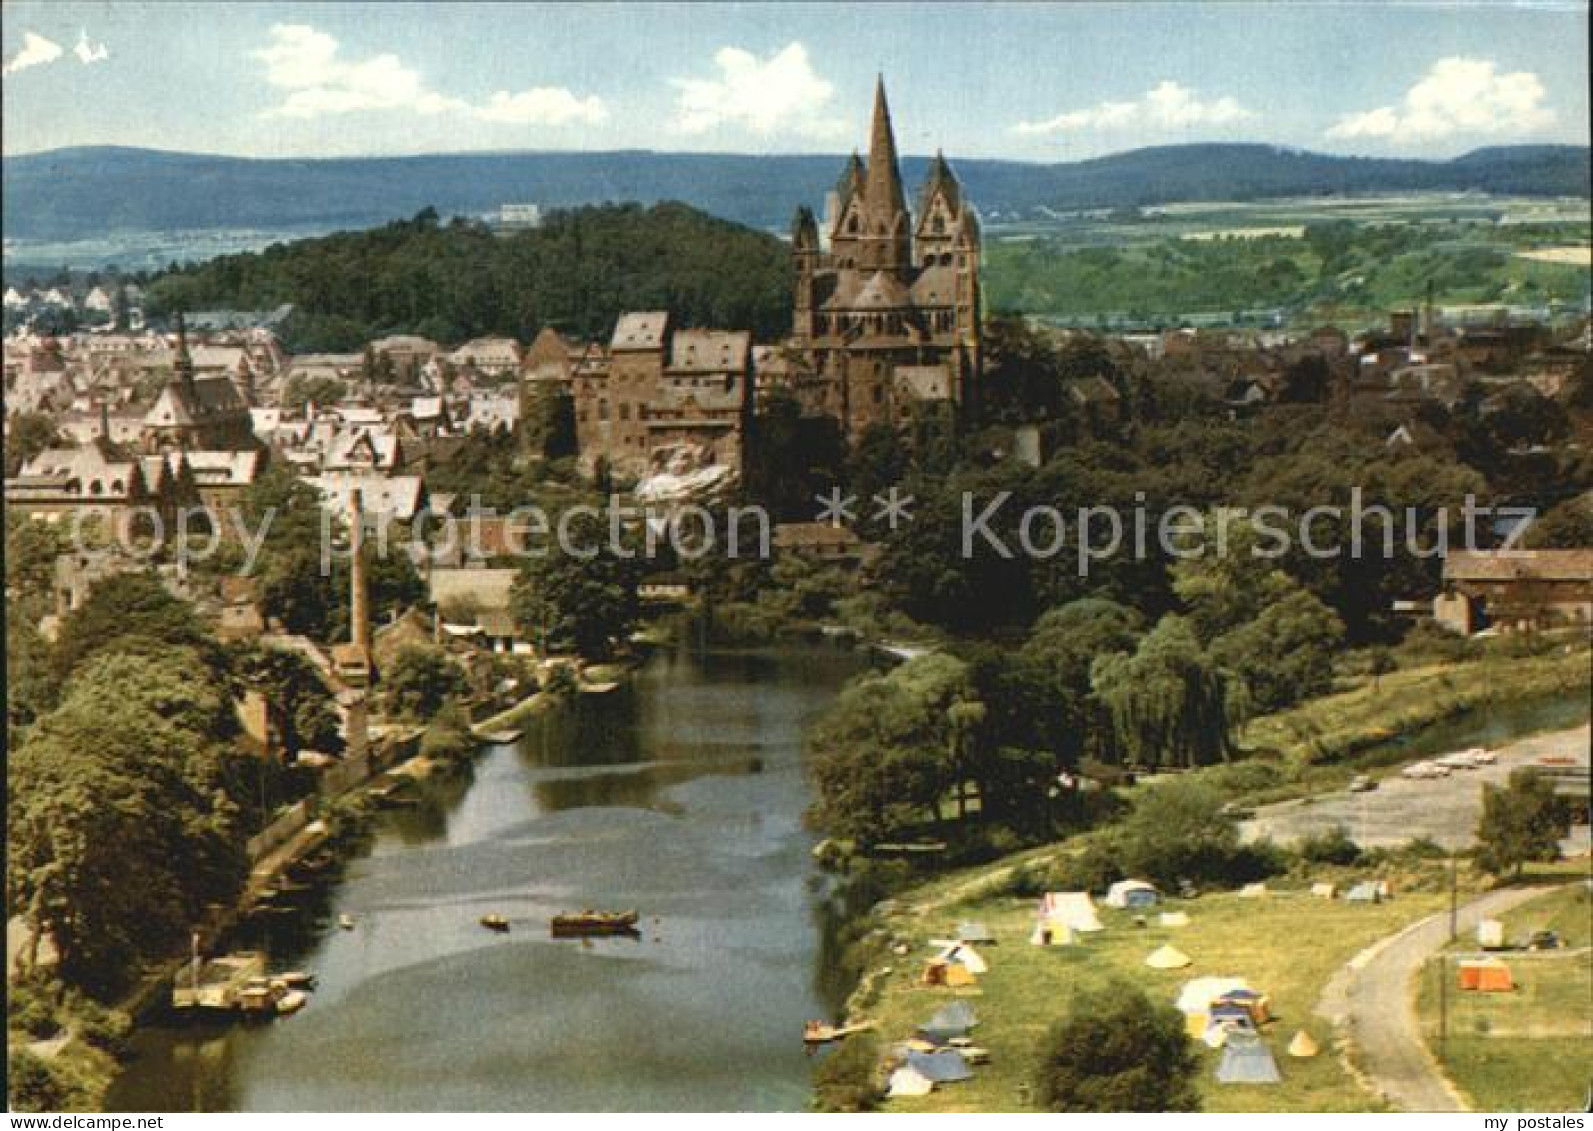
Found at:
[458, 280]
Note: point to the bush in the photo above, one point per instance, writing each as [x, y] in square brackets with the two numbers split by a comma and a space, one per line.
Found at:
[847, 1080]
[1333, 846]
[36, 1084]
[29, 1009]
[1117, 1051]
[1094, 869]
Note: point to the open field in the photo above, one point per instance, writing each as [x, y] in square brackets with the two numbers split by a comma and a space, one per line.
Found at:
[1529, 1049]
[1288, 945]
[1301, 261]
[1577, 256]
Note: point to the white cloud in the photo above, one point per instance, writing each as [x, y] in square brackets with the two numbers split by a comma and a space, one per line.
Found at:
[782, 92]
[542, 105]
[88, 53]
[307, 64]
[1167, 106]
[34, 52]
[1457, 95]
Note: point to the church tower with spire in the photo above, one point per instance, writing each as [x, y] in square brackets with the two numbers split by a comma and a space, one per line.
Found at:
[886, 319]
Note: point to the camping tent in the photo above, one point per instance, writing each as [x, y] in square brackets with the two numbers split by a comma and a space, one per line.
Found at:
[908, 1081]
[1246, 1059]
[966, 956]
[1324, 890]
[1073, 909]
[1364, 892]
[943, 1066]
[1490, 934]
[1303, 1046]
[1174, 919]
[974, 932]
[950, 1021]
[1486, 974]
[1167, 958]
[1253, 891]
[1197, 994]
[1253, 1002]
[1131, 894]
[1047, 933]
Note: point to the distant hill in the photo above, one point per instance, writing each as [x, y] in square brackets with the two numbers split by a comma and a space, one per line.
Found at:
[79, 193]
[457, 280]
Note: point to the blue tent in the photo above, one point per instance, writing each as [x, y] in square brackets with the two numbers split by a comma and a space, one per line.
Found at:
[951, 1020]
[943, 1066]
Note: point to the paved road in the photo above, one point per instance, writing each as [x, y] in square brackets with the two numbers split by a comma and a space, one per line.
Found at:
[1445, 809]
[1373, 1000]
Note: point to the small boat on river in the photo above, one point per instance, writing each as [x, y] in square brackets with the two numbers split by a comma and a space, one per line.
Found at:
[578, 923]
[292, 1001]
[346, 921]
[495, 923]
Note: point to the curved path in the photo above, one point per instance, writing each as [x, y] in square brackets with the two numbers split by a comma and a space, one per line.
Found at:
[1373, 1001]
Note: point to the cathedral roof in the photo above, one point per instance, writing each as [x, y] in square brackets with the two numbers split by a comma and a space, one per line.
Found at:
[883, 291]
[935, 286]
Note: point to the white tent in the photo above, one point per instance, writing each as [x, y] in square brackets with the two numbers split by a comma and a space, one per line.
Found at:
[1253, 891]
[1198, 993]
[1073, 909]
[1131, 893]
[1174, 919]
[910, 1082]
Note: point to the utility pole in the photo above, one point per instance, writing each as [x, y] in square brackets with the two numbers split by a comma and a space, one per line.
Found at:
[1443, 1004]
[1454, 897]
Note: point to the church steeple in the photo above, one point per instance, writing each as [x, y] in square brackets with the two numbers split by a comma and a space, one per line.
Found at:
[184, 363]
[885, 204]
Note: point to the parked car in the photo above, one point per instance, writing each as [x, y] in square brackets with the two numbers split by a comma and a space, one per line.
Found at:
[1422, 770]
[1460, 760]
[1543, 940]
[1360, 783]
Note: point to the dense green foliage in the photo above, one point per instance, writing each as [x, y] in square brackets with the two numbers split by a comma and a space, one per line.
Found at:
[580, 593]
[419, 681]
[1522, 821]
[127, 809]
[578, 271]
[1117, 1051]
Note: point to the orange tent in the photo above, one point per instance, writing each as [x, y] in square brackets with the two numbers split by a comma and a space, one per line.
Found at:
[1487, 975]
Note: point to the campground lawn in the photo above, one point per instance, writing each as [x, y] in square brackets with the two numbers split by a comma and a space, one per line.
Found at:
[1528, 1049]
[1286, 944]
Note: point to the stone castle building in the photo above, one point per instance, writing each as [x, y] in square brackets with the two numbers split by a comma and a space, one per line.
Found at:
[886, 316]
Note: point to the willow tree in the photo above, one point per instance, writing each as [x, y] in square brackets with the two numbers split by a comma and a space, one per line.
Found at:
[1170, 704]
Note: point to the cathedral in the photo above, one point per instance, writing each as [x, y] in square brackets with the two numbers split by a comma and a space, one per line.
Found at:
[886, 312]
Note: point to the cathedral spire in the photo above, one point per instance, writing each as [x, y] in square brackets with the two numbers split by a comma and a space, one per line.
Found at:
[883, 182]
[184, 363]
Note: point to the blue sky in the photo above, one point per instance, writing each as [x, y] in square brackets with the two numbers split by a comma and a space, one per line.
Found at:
[1021, 81]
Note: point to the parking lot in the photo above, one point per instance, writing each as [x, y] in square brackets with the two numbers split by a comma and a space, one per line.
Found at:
[1399, 810]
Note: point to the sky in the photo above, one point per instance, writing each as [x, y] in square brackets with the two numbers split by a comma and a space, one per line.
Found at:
[1021, 81]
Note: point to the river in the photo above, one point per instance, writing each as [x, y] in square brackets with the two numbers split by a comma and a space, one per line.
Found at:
[681, 795]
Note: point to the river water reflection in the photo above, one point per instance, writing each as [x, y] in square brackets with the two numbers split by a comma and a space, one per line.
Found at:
[682, 796]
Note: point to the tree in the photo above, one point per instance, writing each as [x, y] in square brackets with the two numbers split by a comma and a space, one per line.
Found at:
[1117, 1051]
[420, 680]
[888, 751]
[300, 705]
[124, 812]
[1170, 704]
[128, 605]
[1285, 654]
[1521, 823]
[568, 599]
[28, 434]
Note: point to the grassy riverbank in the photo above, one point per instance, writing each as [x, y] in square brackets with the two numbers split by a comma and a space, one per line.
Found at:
[1287, 944]
[1381, 722]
